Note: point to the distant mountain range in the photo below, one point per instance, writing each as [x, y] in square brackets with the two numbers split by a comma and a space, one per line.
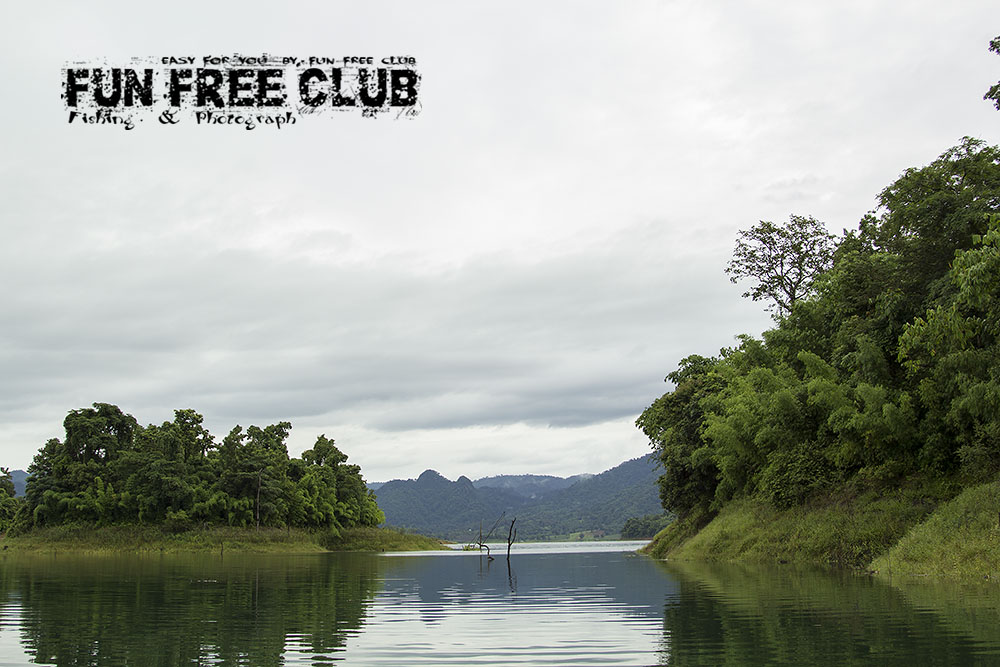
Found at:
[19, 477]
[546, 507]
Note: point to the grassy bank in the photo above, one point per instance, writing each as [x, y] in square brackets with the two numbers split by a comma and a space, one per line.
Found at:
[147, 539]
[919, 527]
[961, 539]
[382, 539]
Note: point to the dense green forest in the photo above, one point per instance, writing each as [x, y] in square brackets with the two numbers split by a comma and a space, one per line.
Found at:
[110, 470]
[883, 364]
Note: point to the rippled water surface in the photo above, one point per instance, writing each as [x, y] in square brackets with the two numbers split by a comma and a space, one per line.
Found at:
[581, 604]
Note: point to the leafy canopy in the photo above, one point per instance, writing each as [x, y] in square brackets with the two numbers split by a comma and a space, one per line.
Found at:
[110, 470]
[885, 362]
[782, 260]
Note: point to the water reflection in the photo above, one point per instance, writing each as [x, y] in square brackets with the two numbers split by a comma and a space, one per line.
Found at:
[546, 607]
[735, 615]
[183, 610]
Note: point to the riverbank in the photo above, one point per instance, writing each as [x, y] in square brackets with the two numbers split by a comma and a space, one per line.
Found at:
[148, 539]
[919, 528]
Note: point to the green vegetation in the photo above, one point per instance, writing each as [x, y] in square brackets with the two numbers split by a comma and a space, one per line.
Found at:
[84, 539]
[643, 527]
[368, 538]
[145, 538]
[875, 397]
[9, 504]
[840, 529]
[113, 485]
[960, 540]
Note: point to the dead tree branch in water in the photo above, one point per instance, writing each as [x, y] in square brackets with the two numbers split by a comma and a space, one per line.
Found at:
[481, 544]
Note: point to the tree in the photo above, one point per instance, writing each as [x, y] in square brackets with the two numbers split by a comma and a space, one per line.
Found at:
[9, 504]
[783, 260]
[110, 470]
[98, 433]
[931, 212]
[674, 425]
[994, 92]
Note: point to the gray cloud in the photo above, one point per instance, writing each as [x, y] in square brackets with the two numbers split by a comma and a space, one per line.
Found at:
[522, 263]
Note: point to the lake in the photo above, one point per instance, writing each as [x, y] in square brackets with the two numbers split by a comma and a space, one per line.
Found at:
[561, 604]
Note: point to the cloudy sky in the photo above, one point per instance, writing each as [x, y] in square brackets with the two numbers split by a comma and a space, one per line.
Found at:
[497, 285]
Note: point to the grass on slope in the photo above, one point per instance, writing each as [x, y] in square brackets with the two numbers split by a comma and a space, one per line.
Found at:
[961, 539]
[843, 529]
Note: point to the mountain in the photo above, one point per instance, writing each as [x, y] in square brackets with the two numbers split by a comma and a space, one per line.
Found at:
[529, 486]
[601, 503]
[20, 478]
[546, 507]
[433, 505]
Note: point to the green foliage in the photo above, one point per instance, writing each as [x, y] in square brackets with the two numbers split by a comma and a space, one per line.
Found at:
[109, 470]
[674, 425]
[186, 537]
[842, 530]
[994, 92]
[368, 538]
[9, 504]
[885, 366]
[792, 475]
[783, 260]
[960, 539]
[643, 527]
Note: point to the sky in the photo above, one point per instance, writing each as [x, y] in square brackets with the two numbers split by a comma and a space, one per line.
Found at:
[496, 285]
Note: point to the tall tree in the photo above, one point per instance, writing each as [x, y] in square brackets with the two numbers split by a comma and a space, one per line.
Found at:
[782, 260]
[994, 92]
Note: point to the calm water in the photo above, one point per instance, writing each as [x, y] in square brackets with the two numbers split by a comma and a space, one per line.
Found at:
[555, 605]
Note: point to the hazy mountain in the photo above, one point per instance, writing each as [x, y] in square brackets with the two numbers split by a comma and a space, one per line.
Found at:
[20, 477]
[545, 506]
[433, 505]
[529, 486]
[601, 503]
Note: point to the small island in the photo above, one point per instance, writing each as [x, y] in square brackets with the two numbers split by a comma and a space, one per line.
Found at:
[112, 484]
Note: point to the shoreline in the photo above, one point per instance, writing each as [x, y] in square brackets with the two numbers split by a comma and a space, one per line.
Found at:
[145, 539]
[917, 530]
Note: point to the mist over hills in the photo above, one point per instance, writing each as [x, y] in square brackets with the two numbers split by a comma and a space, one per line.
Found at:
[545, 506]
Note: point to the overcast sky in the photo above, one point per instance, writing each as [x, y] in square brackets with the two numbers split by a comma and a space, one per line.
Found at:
[498, 285]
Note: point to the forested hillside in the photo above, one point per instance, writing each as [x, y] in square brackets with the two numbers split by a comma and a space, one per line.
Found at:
[600, 504]
[597, 504]
[108, 469]
[435, 506]
[883, 367]
[531, 486]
